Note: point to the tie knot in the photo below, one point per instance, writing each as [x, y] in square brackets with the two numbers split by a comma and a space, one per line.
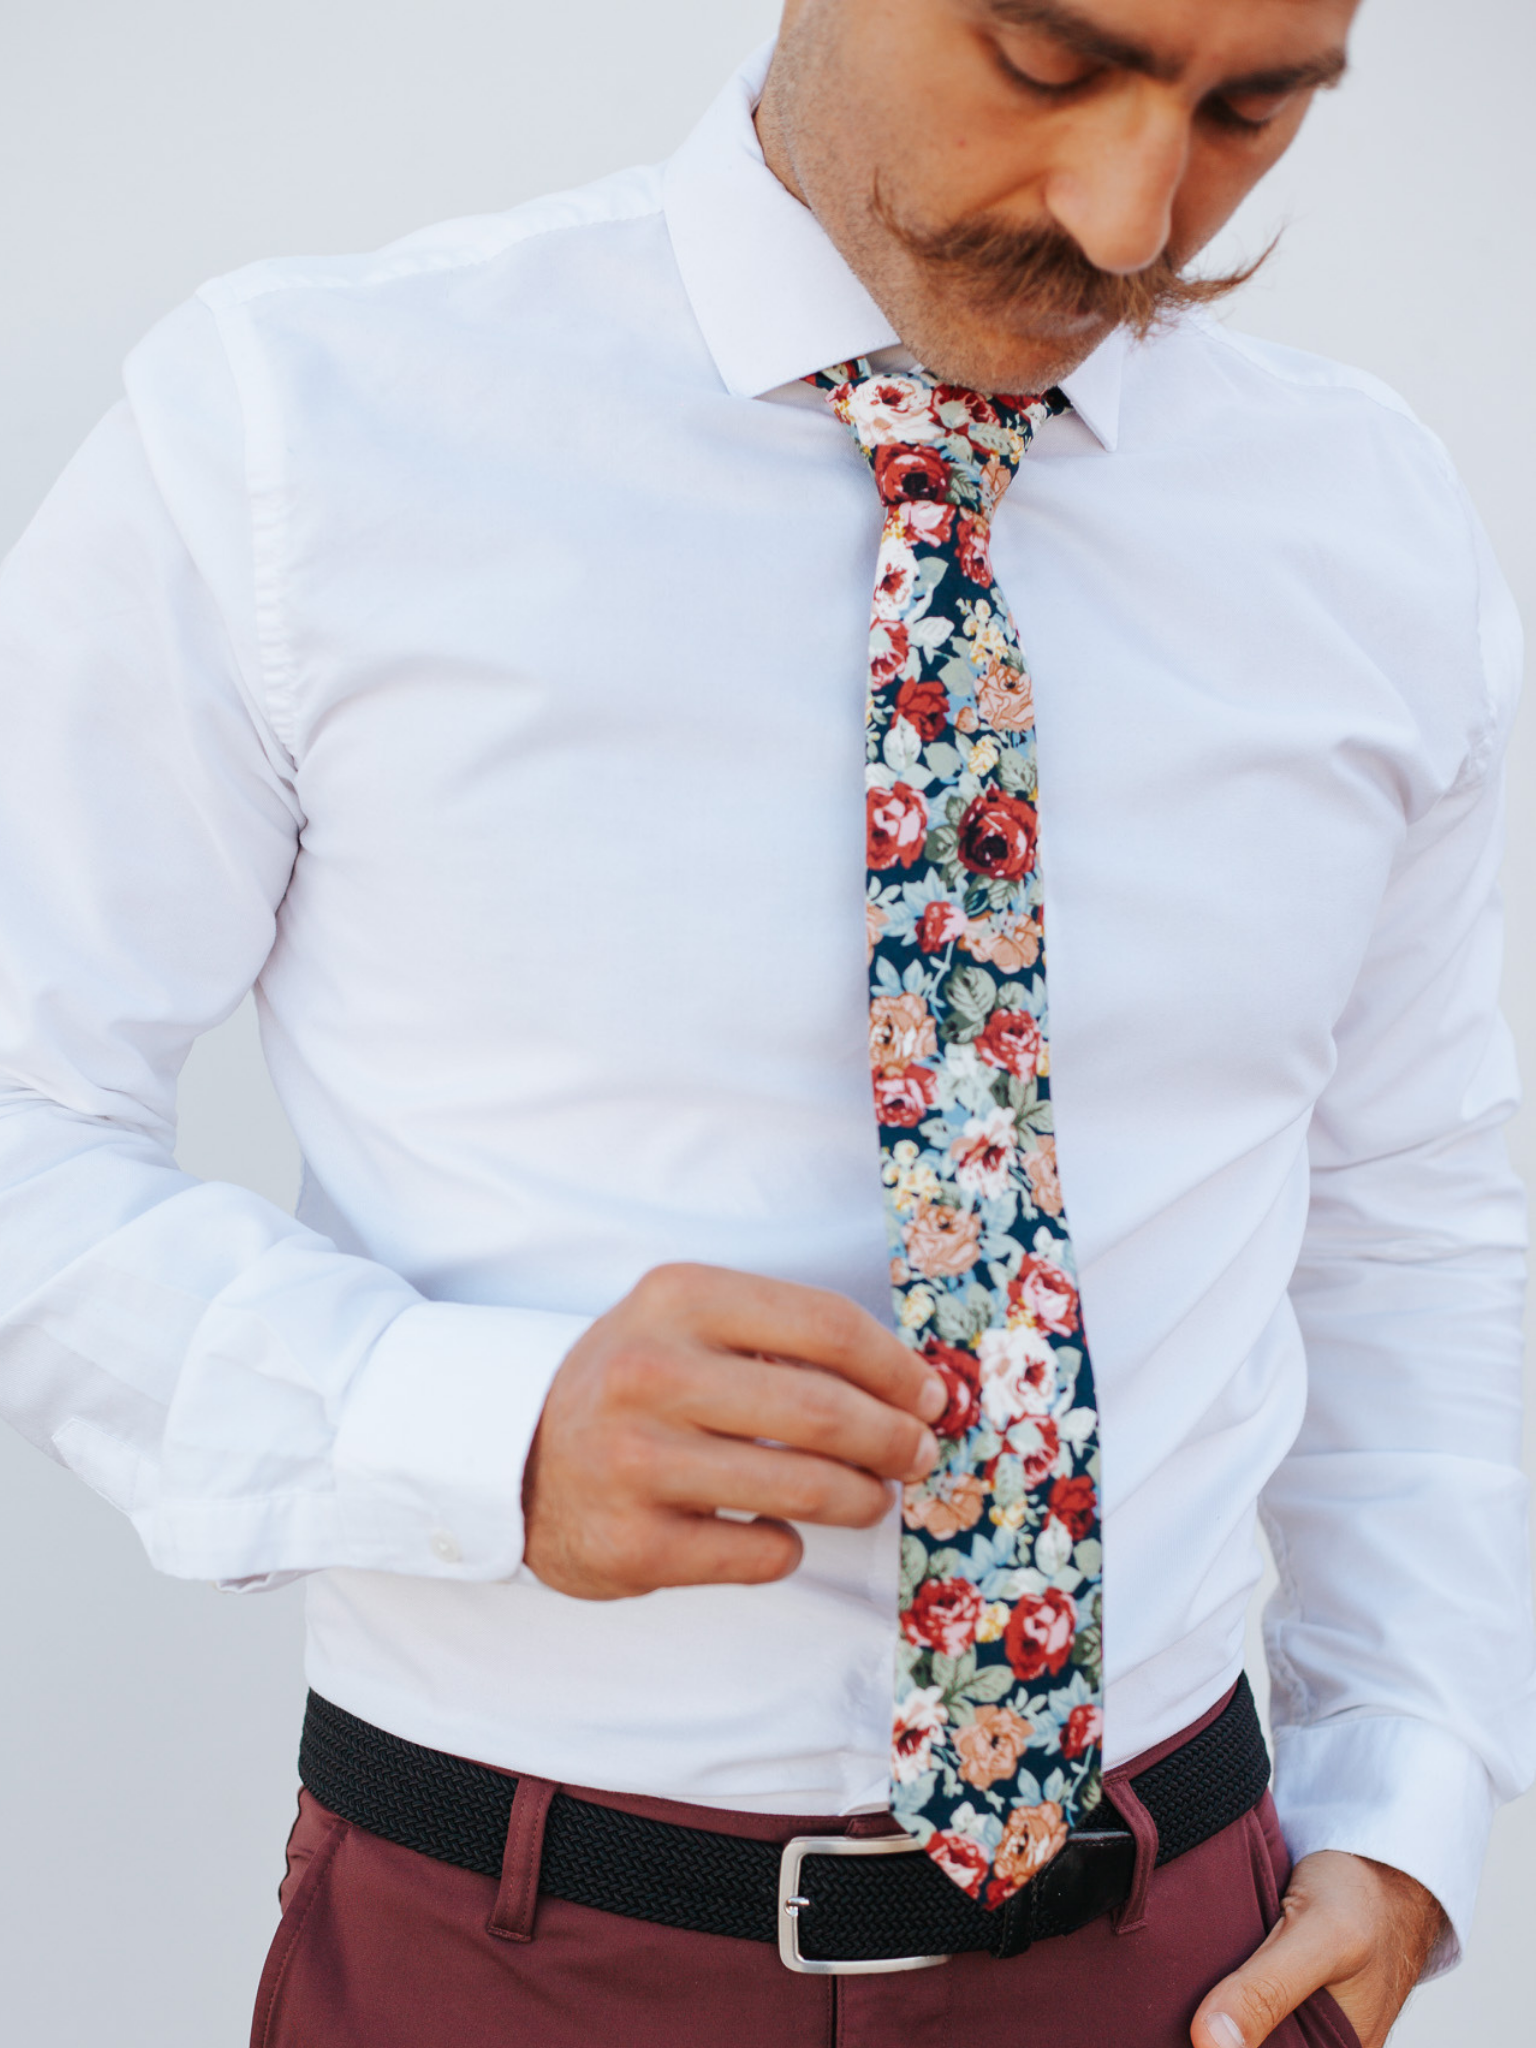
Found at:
[924, 439]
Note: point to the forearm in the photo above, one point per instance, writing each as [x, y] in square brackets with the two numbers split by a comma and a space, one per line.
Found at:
[256, 1401]
[1399, 1639]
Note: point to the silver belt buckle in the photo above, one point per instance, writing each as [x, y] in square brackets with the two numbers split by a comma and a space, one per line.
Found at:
[792, 1904]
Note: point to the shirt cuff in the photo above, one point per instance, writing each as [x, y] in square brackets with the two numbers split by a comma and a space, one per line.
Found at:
[434, 1436]
[1398, 1790]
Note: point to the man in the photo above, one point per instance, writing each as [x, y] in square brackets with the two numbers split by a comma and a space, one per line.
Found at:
[470, 647]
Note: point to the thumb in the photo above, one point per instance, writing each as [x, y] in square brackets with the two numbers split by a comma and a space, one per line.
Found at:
[1245, 2008]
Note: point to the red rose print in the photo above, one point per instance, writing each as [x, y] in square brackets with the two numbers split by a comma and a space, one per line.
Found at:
[971, 549]
[963, 1861]
[1010, 1041]
[961, 1375]
[925, 706]
[1047, 1293]
[1036, 1443]
[1039, 1633]
[904, 1095]
[978, 410]
[897, 824]
[997, 835]
[910, 473]
[945, 1615]
[1074, 1502]
[1085, 1725]
[1018, 401]
[888, 651]
[939, 923]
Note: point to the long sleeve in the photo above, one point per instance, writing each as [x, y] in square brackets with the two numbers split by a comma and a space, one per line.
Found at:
[256, 1400]
[1399, 1640]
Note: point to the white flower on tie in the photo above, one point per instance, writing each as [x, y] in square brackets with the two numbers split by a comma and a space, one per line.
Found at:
[883, 409]
[1018, 1374]
[984, 1154]
[920, 1717]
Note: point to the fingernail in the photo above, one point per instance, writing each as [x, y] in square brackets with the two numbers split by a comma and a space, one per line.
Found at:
[927, 1454]
[1225, 2030]
[934, 1398]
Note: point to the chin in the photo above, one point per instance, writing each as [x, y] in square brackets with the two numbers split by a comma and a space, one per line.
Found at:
[1009, 363]
[991, 355]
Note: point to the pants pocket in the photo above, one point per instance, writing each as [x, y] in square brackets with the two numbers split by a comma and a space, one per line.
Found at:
[300, 1897]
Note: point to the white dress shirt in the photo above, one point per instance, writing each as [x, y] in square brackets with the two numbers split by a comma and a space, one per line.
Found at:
[465, 645]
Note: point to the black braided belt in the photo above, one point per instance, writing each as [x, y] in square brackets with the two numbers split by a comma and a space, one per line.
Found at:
[872, 1909]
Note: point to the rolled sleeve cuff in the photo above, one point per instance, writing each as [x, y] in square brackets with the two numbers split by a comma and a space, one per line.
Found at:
[1398, 1790]
[435, 1434]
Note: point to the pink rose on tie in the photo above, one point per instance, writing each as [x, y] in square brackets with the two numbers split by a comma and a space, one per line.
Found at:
[1009, 942]
[997, 836]
[889, 648]
[1044, 1289]
[910, 473]
[1045, 1185]
[962, 1861]
[900, 1030]
[924, 520]
[945, 1615]
[1006, 697]
[897, 824]
[939, 923]
[991, 1745]
[1031, 1837]
[904, 1095]
[942, 1242]
[1038, 1636]
[944, 1504]
[1011, 1041]
[1085, 1726]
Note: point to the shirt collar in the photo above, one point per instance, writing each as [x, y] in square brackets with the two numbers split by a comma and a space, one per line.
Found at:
[772, 296]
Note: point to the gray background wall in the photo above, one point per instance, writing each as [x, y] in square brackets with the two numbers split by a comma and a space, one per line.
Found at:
[147, 1729]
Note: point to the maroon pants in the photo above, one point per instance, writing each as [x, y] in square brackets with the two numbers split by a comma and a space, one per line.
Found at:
[382, 1948]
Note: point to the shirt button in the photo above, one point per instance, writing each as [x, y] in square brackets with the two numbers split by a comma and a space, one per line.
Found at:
[445, 1548]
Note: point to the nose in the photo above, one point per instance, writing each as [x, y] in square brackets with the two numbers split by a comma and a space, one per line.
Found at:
[1113, 188]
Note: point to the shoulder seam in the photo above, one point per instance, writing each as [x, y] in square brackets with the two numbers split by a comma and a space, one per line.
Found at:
[1342, 378]
[262, 496]
[280, 274]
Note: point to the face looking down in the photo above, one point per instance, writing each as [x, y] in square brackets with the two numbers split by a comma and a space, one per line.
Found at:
[1012, 179]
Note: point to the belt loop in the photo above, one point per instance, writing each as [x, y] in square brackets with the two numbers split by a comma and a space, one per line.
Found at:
[1132, 1916]
[518, 1895]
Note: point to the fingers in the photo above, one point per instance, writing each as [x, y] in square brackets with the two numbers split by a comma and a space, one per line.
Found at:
[1245, 2008]
[744, 1312]
[810, 1411]
[705, 1551]
[1327, 1936]
[722, 1473]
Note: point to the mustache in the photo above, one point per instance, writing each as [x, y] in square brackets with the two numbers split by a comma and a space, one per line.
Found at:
[1002, 268]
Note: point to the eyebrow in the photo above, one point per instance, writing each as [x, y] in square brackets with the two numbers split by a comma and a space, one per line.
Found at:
[1086, 38]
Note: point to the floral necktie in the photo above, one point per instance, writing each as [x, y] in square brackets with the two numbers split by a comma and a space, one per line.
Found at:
[996, 1741]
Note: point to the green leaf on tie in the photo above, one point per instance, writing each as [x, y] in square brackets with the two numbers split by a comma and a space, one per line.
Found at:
[992, 1683]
